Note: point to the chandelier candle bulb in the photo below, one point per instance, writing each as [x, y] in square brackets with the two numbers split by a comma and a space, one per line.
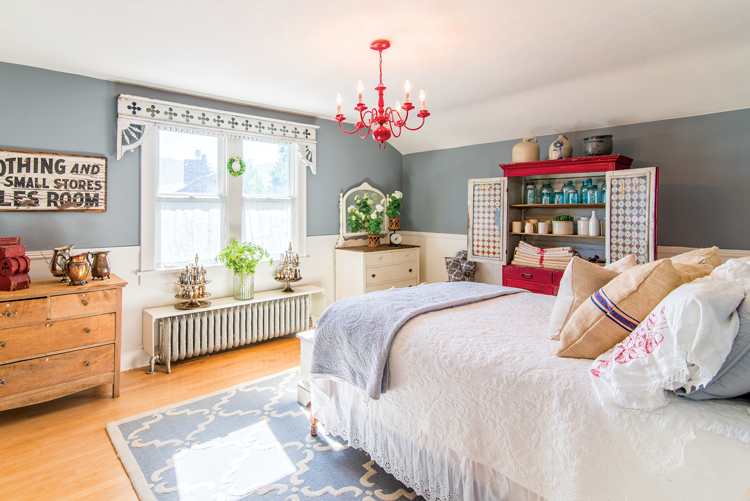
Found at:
[407, 88]
[421, 98]
[338, 103]
[360, 88]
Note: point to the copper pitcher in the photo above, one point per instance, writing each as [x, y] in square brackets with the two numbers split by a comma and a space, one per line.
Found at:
[59, 261]
[78, 268]
[100, 267]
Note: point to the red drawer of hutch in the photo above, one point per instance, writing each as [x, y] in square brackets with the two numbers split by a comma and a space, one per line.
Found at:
[532, 279]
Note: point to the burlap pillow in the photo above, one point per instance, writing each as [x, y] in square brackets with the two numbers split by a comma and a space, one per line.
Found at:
[708, 256]
[580, 280]
[615, 310]
[623, 264]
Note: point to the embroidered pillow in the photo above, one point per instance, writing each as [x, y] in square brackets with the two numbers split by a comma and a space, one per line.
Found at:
[682, 343]
[580, 280]
[615, 310]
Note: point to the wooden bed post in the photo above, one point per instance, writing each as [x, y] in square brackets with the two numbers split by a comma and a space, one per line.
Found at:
[313, 422]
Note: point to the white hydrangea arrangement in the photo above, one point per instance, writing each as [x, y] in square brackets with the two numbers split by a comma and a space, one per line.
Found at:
[366, 214]
[393, 204]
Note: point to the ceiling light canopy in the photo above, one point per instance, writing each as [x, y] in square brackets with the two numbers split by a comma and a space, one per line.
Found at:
[389, 120]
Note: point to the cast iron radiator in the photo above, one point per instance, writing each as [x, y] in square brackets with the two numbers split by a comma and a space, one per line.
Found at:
[186, 336]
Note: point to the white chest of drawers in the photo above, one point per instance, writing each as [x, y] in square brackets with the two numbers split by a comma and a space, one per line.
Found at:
[360, 270]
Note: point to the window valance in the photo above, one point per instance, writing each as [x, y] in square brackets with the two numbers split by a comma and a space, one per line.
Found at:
[138, 116]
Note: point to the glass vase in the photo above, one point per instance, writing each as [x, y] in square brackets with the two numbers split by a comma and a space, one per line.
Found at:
[243, 287]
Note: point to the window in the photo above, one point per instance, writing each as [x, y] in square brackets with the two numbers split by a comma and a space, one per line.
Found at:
[190, 198]
[191, 205]
[269, 196]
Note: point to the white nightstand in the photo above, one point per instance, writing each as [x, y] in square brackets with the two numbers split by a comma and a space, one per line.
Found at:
[305, 358]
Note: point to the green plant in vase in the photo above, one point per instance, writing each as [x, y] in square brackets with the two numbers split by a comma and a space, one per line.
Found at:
[562, 224]
[242, 258]
[366, 215]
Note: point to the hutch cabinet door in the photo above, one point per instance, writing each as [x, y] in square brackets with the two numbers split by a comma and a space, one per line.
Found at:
[631, 214]
[488, 219]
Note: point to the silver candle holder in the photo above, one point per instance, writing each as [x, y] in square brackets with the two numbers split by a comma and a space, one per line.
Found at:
[193, 280]
[289, 271]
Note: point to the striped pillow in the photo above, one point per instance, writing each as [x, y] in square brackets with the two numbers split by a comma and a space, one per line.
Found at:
[615, 310]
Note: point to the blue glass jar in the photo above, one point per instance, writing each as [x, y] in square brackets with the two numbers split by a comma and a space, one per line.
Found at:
[572, 197]
[603, 193]
[547, 193]
[592, 194]
[530, 195]
[582, 192]
[559, 197]
[567, 189]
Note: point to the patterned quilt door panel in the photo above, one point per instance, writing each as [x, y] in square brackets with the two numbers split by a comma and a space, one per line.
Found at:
[488, 210]
[631, 214]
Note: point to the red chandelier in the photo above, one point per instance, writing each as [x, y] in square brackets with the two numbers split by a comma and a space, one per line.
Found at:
[380, 115]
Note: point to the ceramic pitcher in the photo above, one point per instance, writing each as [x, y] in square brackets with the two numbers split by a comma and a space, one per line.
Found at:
[526, 151]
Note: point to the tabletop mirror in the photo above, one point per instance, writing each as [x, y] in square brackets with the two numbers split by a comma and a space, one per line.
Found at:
[346, 200]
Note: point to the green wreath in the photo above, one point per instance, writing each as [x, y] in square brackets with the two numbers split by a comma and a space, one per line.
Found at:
[236, 173]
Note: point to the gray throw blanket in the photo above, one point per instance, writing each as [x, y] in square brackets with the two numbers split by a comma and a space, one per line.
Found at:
[354, 335]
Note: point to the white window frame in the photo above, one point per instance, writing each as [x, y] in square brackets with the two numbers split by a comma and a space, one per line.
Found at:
[232, 199]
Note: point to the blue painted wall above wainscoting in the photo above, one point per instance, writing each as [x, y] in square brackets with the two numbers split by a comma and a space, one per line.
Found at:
[704, 177]
[43, 110]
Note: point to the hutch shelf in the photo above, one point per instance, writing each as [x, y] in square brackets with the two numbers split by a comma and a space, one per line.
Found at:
[629, 210]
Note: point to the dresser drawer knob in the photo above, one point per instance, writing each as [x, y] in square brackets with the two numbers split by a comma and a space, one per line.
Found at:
[8, 314]
[85, 303]
[409, 270]
[527, 275]
[86, 363]
[380, 258]
[3, 345]
[86, 330]
[373, 275]
[2, 382]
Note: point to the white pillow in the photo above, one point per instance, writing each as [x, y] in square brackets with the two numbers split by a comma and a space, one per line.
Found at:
[682, 343]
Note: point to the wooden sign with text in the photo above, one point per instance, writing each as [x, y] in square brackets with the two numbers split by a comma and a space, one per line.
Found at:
[52, 182]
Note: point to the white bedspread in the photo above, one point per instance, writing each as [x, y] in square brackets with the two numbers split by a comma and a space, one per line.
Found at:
[482, 380]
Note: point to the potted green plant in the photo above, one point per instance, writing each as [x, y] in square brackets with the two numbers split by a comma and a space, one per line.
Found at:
[393, 210]
[367, 215]
[242, 258]
[562, 225]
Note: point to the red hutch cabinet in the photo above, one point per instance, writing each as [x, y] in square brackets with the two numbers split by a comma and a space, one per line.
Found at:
[630, 211]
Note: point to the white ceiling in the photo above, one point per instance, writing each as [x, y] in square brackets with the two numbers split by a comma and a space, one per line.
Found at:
[492, 70]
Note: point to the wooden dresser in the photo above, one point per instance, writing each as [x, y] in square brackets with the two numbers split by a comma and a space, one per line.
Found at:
[360, 270]
[57, 339]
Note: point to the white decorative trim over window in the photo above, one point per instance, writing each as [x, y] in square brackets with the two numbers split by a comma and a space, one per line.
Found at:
[137, 116]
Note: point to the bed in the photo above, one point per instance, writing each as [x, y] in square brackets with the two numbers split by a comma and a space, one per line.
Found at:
[479, 408]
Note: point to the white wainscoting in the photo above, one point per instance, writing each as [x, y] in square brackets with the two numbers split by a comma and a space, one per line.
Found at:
[152, 289]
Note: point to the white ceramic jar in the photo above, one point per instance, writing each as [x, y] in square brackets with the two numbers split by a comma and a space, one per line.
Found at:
[594, 225]
[583, 226]
[560, 148]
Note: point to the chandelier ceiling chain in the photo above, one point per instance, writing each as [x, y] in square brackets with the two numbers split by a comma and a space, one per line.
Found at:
[382, 116]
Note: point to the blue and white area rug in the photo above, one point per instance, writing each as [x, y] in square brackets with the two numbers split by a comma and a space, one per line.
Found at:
[252, 442]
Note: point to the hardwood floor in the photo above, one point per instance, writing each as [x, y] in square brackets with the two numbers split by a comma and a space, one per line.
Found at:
[59, 450]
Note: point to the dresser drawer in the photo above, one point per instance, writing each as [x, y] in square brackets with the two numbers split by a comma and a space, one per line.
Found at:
[529, 274]
[13, 313]
[378, 258]
[42, 372]
[412, 282]
[525, 284]
[85, 303]
[21, 342]
[405, 255]
[390, 273]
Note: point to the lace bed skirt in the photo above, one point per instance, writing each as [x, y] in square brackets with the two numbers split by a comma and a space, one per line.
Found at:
[421, 462]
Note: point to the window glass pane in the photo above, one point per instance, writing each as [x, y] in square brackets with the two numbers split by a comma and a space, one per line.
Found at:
[188, 163]
[267, 172]
[186, 229]
[268, 223]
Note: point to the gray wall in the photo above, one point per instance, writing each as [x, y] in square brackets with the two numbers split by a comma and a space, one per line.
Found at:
[704, 177]
[42, 110]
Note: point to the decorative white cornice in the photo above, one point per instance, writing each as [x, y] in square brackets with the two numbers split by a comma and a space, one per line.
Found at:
[137, 116]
